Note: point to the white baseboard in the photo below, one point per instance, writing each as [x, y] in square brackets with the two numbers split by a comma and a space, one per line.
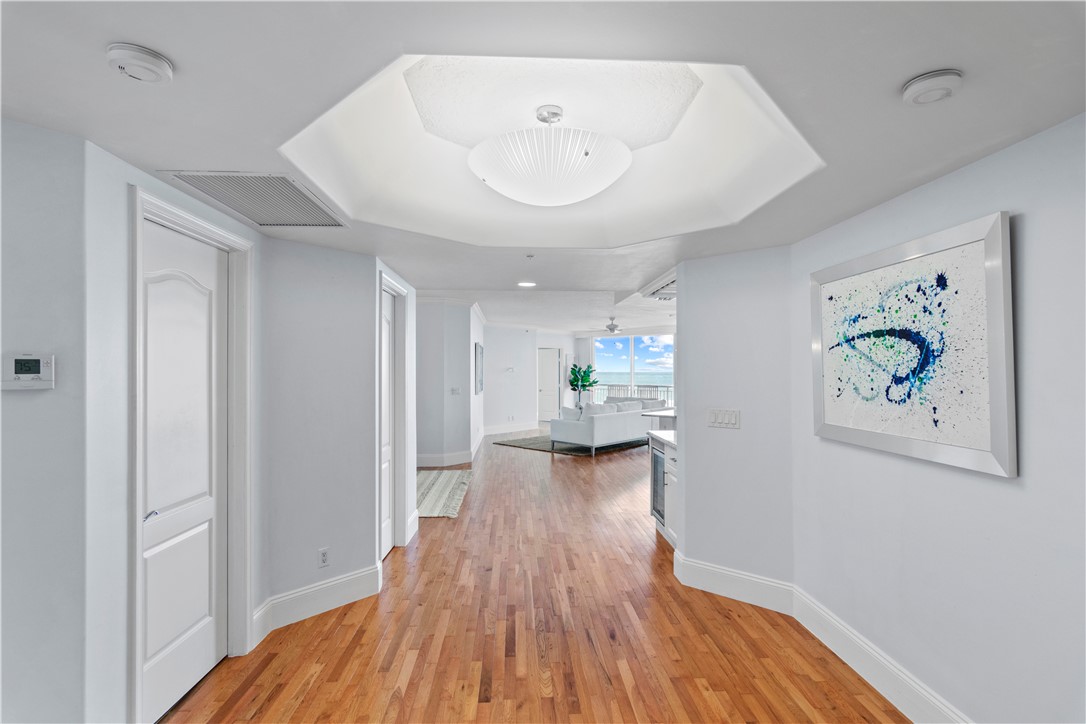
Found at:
[511, 427]
[747, 587]
[440, 460]
[293, 606]
[909, 694]
[475, 447]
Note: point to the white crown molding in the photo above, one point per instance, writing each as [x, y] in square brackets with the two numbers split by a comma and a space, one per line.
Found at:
[479, 310]
[912, 696]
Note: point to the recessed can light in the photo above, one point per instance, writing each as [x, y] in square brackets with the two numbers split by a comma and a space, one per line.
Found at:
[932, 87]
[525, 284]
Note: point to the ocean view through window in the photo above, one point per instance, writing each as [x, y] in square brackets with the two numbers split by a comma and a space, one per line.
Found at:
[635, 366]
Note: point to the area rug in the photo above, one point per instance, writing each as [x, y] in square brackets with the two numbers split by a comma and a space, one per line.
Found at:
[543, 443]
[440, 492]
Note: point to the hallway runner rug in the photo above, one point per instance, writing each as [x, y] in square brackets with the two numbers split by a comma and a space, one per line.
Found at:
[543, 444]
[440, 492]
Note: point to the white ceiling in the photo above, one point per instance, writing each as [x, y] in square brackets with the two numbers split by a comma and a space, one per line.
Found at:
[378, 155]
[249, 76]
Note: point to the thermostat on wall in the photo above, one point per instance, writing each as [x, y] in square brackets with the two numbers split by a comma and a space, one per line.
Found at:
[28, 371]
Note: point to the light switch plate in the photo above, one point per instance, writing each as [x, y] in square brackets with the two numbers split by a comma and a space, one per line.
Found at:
[719, 417]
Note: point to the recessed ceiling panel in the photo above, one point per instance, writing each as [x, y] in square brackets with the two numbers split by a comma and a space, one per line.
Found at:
[467, 99]
[729, 151]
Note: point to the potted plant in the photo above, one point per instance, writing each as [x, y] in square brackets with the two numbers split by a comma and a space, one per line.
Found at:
[581, 380]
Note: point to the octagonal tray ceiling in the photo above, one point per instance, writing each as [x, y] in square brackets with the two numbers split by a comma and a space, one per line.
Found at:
[709, 148]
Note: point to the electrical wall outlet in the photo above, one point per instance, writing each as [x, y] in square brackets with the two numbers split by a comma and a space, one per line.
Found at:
[322, 558]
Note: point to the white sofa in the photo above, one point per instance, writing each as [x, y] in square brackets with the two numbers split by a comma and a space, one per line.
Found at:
[614, 421]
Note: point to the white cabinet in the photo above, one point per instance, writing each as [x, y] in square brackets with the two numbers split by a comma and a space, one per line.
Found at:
[666, 489]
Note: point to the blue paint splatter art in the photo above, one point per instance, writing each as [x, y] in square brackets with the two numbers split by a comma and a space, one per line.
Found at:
[904, 349]
[901, 354]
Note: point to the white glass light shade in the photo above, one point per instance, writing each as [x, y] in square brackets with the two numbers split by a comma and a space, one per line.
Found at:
[548, 165]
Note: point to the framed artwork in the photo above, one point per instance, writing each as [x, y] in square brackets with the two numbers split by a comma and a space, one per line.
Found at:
[478, 368]
[913, 349]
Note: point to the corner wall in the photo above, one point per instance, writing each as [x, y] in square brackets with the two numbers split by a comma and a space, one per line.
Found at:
[967, 580]
[957, 594]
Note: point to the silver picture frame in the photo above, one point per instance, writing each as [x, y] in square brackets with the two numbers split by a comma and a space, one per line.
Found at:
[1001, 456]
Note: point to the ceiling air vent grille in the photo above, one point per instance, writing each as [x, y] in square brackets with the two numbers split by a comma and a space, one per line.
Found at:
[264, 199]
[667, 291]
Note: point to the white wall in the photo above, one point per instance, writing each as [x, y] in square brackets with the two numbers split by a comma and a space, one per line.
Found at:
[446, 383]
[316, 436]
[972, 583]
[477, 323]
[735, 356]
[430, 334]
[43, 438]
[509, 362]
[968, 580]
[66, 240]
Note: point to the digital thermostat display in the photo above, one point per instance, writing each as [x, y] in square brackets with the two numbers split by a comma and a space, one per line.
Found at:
[28, 366]
[29, 371]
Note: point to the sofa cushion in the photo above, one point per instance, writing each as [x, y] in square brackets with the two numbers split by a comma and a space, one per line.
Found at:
[569, 413]
[627, 406]
[654, 404]
[617, 400]
[595, 409]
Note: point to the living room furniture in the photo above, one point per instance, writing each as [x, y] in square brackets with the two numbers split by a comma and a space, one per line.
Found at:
[603, 424]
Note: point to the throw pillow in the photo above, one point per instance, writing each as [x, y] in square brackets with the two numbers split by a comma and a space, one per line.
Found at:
[654, 404]
[629, 406]
[591, 409]
[570, 413]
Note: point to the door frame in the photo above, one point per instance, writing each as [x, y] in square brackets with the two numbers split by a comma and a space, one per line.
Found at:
[239, 593]
[400, 513]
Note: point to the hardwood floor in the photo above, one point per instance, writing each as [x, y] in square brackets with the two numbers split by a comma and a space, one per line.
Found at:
[551, 598]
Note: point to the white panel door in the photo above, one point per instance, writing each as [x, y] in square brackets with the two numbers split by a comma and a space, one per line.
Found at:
[182, 596]
[549, 366]
[388, 370]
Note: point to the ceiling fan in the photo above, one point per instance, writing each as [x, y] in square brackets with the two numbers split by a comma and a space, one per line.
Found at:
[612, 327]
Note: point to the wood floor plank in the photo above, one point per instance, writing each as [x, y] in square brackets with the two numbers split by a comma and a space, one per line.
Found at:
[550, 598]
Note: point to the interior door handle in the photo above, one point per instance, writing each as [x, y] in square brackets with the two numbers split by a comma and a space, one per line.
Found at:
[150, 515]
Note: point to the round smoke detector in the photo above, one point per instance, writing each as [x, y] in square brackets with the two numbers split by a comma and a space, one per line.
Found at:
[138, 63]
[932, 87]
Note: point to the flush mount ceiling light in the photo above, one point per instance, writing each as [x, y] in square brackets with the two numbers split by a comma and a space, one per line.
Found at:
[525, 284]
[938, 85]
[138, 63]
[708, 148]
[549, 165]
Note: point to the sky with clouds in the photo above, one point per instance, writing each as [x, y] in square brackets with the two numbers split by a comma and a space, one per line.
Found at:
[651, 354]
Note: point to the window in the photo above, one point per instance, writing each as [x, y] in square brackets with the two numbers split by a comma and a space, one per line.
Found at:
[635, 367]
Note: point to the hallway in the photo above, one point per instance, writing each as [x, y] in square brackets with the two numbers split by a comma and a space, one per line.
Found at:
[551, 598]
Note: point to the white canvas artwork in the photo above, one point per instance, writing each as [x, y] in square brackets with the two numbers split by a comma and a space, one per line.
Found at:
[905, 349]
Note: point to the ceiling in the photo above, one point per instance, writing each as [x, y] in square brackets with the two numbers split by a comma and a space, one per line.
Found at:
[249, 76]
[398, 153]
